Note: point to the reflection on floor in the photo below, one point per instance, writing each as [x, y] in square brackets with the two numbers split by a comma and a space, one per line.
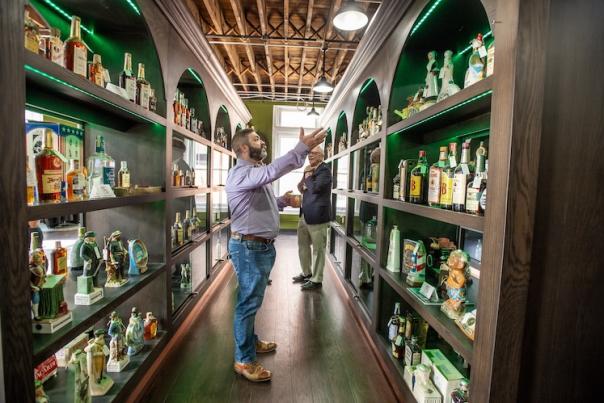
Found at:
[322, 356]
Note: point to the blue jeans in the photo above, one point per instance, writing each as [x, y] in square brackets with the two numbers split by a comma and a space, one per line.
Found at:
[253, 262]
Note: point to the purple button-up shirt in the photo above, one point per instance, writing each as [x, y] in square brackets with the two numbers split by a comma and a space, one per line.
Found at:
[253, 205]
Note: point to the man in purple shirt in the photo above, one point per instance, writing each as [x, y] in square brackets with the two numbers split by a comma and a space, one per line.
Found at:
[255, 225]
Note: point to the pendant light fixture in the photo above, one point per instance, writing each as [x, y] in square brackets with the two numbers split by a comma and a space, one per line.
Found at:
[313, 111]
[350, 18]
[323, 86]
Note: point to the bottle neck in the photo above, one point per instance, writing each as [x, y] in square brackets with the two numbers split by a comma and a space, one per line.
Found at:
[128, 63]
[75, 28]
[177, 218]
[141, 72]
[465, 156]
[35, 242]
[48, 140]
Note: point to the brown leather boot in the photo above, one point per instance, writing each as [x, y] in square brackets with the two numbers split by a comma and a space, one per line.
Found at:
[253, 371]
[265, 346]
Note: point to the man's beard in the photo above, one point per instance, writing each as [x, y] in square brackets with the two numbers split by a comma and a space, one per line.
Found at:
[258, 154]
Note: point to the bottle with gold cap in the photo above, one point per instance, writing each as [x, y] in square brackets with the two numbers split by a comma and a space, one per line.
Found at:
[75, 52]
[49, 171]
[96, 71]
[142, 87]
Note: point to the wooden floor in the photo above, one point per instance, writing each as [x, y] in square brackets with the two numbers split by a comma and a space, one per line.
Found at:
[322, 356]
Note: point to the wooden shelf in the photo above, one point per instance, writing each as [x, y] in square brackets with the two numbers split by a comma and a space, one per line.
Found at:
[57, 387]
[445, 327]
[191, 135]
[469, 221]
[386, 350]
[50, 210]
[368, 197]
[365, 142]
[54, 78]
[186, 249]
[338, 228]
[176, 193]
[86, 316]
[361, 250]
[465, 104]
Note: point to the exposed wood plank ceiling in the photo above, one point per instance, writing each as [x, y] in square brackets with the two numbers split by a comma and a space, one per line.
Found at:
[271, 49]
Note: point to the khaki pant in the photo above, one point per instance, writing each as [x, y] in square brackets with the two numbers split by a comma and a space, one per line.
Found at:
[314, 236]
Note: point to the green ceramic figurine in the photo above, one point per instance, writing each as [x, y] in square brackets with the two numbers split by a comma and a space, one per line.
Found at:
[75, 263]
[117, 359]
[117, 261]
[91, 255]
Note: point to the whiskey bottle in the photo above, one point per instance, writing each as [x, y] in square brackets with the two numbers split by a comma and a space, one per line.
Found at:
[478, 184]
[398, 344]
[123, 176]
[394, 322]
[101, 167]
[482, 202]
[74, 51]
[127, 80]
[413, 353]
[409, 328]
[436, 171]
[461, 394]
[175, 177]
[396, 186]
[152, 100]
[32, 34]
[193, 125]
[142, 87]
[461, 177]
[446, 178]
[176, 107]
[75, 181]
[178, 230]
[31, 183]
[195, 222]
[59, 259]
[187, 227]
[54, 46]
[96, 71]
[418, 181]
[49, 171]
[404, 169]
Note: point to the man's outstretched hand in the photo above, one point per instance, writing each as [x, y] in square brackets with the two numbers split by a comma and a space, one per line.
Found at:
[313, 139]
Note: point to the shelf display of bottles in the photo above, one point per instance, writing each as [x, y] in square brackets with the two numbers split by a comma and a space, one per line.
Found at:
[182, 178]
[185, 230]
[372, 124]
[446, 184]
[220, 138]
[185, 116]
[369, 178]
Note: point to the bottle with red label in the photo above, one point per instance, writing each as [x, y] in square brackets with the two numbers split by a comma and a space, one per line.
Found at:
[75, 52]
[49, 171]
[419, 180]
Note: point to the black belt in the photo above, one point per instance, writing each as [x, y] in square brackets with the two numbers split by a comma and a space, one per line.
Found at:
[240, 237]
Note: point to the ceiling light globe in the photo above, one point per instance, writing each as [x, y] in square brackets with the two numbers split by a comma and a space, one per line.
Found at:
[350, 18]
[322, 86]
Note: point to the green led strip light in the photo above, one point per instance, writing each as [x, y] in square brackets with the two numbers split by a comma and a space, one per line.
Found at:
[134, 7]
[195, 76]
[224, 109]
[470, 46]
[425, 17]
[366, 85]
[477, 97]
[66, 15]
[73, 87]
[341, 113]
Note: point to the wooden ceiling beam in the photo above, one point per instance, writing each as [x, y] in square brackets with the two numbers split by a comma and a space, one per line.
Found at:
[328, 33]
[306, 33]
[267, 51]
[286, 34]
[241, 25]
[215, 12]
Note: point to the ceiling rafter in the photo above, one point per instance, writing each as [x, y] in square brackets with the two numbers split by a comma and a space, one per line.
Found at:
[329, 32]
[286, 34]
[307, 29]
[267, 51]
[240, 18]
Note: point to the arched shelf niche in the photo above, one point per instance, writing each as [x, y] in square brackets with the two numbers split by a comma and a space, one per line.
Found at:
[110, 32]
[191, 93]
[328, 148]
[440, 26]
[341, 139]
[367, 117]
[222, 130]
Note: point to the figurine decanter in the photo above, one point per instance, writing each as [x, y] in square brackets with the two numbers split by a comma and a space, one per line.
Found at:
[90, 253]
[37, 279]
[117, 261]
[40, 394]
[96, 350]
[448, 86]
[75, 263]
[185, 275]
[135, 333]
[78, 378]
[117, 359]
[476, 62]
[458, 263]
[431, 91]
[342, 145]
[150, 326]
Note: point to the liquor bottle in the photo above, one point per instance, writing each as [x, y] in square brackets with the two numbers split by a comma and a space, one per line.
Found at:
[436, 171]
[193, 124]
[186, 227]
[375, 177]
[101, 167]
[413, 353]
[482, 203]
[369, 180]
[31, 182]
[396, 186]
[49, 171]
[54, 46]
[394, 322]
[176, 107]
[173, 237]
[75, 181]
[409, 321]
[74, 51]
[152, 100]
[96, 71]
[398, 344]
[127, 80]
[75, 261]
[175, 177]
[418, 181]
[193, 177]
[187, 116]
[123, 176]
[59, 259]
[491, 59]
[32, 34]
[404, 170]
[178, 230]
[195, 221]
[461, 394]
[188, 178]
[150, 327]
[461, 177]
[142, 87]
[446, 178]
[181, 178]
[478, 183]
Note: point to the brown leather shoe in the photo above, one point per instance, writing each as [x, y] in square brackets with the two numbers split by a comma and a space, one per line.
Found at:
[265, 346]
[253, 371]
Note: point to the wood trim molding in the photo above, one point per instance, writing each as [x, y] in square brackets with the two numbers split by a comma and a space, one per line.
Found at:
[182, 21]
[385, 21]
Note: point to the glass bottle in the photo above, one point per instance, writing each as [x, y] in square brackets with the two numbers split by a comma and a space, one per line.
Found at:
[478, 184]
[193, 124]
[49, 171]
[482, 202]
[195, 221]
[74, 50]
[461, 177]
[178, 230]
[31, 182]
[142, 87]
[75, 181]
[187, 227]
[409, 325]
[127, 80]
[176, 107]
[152, 100]
[54, 46]
[96, 71]
[150, 326]
[434, 176]
[461, 394]
[59, 259]
[32, 34]
[446, 178]
[394, 322]
[181, 178]
[369, 180]
[418, 182]
[370, 235]
[398, 344]
[413, 353]
[491, 59]
[101, 167]
[396, 187]
[123, 176]
[375, 177]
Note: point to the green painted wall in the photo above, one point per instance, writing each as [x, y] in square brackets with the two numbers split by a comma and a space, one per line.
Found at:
[262, 119]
